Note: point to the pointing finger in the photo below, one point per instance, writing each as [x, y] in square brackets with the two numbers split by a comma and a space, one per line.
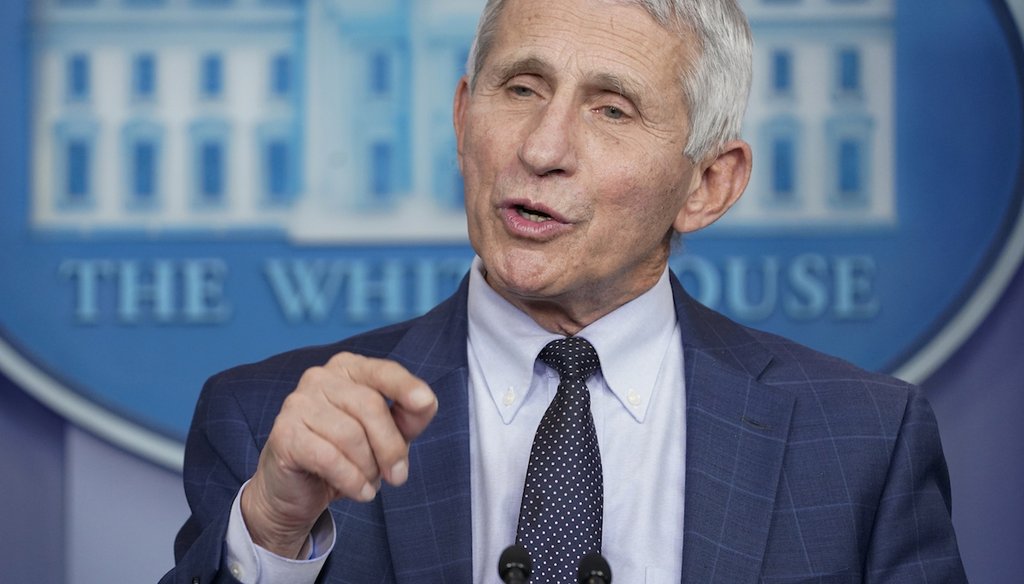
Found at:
[412, 400]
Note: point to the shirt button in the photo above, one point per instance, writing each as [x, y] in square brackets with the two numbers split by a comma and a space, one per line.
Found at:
[236, 571]
[633, 398]
[510, 397]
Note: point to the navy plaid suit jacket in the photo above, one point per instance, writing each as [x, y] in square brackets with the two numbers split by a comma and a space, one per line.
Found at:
[800, 467]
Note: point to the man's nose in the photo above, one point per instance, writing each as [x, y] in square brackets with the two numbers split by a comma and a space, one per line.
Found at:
[550, 143]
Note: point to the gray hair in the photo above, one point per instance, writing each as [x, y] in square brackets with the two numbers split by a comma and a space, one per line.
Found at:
[716, 86]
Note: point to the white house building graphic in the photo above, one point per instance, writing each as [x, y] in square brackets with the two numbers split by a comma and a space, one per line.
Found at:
[820, 118]
[330, 120]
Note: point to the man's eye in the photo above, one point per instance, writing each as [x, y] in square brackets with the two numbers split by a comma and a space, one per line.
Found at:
[612, 112]
[521, 91]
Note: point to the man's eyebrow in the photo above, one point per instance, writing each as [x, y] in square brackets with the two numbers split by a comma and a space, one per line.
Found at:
[625, 87]
[510, 69]
[603, 81]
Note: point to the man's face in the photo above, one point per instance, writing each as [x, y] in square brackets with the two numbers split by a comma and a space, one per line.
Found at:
[571, 147]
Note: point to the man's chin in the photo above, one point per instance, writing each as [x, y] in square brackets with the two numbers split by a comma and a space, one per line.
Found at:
[526, 272]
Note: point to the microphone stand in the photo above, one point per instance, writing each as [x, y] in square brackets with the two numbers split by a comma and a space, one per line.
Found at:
[594, 569]
[514, 565]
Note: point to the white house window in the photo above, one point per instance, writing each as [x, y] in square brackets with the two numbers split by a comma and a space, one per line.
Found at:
[144, 169]
[79, 161]
[781, 141]
[144, 76]
[781, 72]
[848, 72]
[142, 152]
[211, 76]
[783, 167]
[380, 73]
[281, 75]
[75, 172]
[849, 148]
[278, 162]
[78, 80]
[381, 163]
[210, 162]
[851, 162]
[211, 169]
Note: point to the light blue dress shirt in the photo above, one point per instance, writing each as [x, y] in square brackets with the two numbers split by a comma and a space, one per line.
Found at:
[638, 403]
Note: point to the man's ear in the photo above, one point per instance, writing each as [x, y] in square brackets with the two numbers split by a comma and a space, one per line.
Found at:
[720, 184]
[459, 113]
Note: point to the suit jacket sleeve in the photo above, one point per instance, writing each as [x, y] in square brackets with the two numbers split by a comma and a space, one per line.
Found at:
[912, 539]
[222, 454]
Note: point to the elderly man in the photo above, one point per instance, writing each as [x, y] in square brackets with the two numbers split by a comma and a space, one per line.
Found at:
[570, 397]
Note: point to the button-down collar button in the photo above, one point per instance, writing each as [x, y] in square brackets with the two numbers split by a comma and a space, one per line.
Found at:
[633, 398]
[510, 396]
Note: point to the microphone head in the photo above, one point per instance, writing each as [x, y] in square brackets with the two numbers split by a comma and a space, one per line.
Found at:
[514, 557]
[594, 569]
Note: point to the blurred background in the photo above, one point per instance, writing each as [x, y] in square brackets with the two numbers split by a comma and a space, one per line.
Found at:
[191, 184]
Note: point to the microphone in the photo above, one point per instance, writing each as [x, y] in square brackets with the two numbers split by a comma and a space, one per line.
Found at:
[594, 569]
[514, 565]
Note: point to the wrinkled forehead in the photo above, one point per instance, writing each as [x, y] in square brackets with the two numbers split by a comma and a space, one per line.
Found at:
[620, 35]
[666, 13]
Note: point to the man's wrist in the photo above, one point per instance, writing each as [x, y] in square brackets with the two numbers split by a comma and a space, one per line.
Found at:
[290, 543]
[252, 564]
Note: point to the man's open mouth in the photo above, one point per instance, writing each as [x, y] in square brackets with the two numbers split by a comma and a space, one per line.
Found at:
[532, 214]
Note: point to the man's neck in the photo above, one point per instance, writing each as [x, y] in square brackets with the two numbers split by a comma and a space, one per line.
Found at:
[569, 315]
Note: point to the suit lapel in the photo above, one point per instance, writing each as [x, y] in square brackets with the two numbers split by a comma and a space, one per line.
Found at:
[735, 443]
[428, 519]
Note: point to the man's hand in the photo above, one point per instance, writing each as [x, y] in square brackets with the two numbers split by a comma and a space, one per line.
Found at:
[335, 437]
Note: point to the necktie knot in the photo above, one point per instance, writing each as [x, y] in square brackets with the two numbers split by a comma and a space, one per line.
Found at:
[573, 357]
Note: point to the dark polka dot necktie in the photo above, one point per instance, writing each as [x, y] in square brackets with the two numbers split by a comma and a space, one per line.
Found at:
[563, 499]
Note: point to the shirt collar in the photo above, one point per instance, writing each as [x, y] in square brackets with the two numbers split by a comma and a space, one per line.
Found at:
[631, 342]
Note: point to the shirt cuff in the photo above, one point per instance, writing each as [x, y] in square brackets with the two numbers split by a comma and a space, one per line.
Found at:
[252, 564]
